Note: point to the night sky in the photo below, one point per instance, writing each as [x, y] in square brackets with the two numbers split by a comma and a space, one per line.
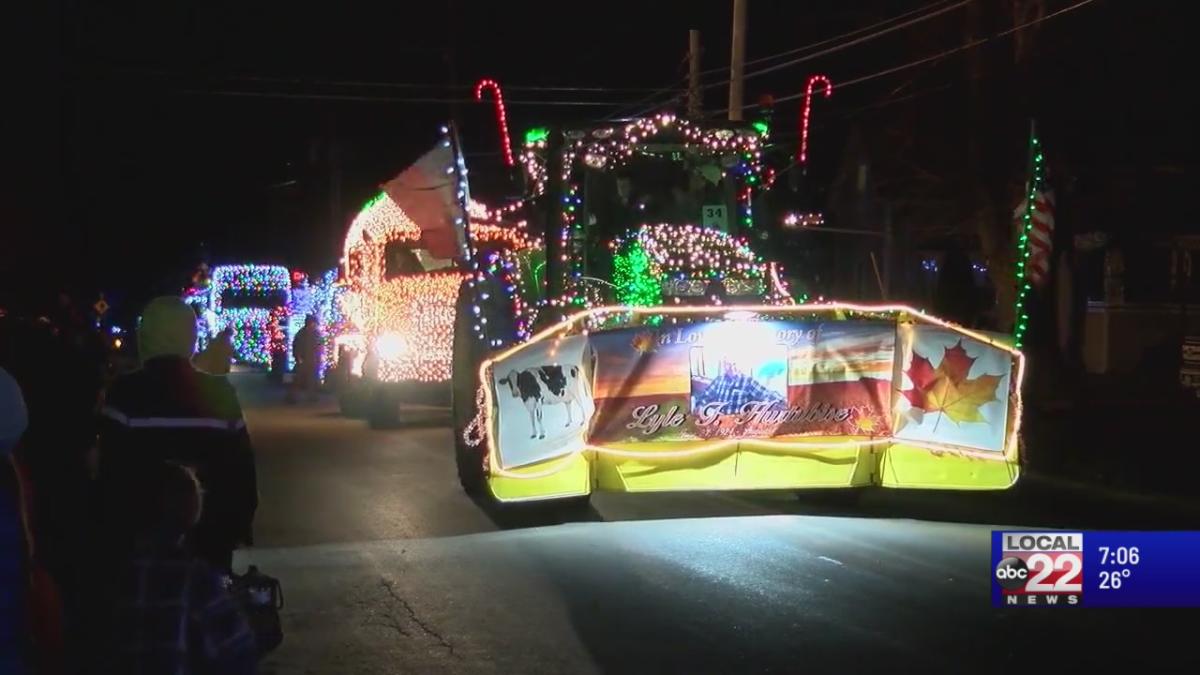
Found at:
[158, 132]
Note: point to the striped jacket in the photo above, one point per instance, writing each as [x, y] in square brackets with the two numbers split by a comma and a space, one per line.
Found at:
[170, 411]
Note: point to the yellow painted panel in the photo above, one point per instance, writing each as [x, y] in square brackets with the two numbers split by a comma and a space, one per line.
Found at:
[905, 466]
[712, 472]
[762, 466]
[573, 480]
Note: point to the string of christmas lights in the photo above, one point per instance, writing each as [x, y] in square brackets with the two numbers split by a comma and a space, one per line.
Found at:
[253, 327]
[248, 279]
[636, 277]
[312, 299]
[416, 310]
[1020, 316]
[499, 247]
[612, 147]
[501, 116]
[806, 112]
[251, 332]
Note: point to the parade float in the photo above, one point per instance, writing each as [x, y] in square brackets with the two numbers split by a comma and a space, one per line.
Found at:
[247, 299]
[659, 351]
[264, 306]
[619, 331]
[400, 285]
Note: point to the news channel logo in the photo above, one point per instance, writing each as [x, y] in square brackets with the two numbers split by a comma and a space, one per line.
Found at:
[1040, 569]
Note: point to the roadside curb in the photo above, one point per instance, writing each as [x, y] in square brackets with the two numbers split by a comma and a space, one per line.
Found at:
[1185, 503]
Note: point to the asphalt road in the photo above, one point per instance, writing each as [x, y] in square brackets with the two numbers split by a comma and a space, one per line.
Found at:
[388, 568]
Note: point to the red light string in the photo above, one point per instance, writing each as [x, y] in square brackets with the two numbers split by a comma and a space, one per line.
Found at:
[808, 94]
[501, 115]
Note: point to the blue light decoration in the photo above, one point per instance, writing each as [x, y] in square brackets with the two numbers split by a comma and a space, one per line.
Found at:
[198, 297]
[313, 299]
[258, 290]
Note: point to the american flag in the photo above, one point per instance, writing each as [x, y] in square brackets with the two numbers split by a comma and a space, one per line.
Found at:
[1041, 235]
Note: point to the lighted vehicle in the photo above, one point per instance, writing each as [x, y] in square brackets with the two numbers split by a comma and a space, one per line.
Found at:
[399, 306]
[250, 299]
[655, 350]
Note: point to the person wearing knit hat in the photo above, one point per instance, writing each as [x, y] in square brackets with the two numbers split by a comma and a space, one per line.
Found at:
[168, 328]
[169, 411]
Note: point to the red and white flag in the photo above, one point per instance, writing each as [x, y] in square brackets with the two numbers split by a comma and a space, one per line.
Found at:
[428, 192]
[1041, 235]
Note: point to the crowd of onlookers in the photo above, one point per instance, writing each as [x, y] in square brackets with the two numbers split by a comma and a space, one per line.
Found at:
[122, 498]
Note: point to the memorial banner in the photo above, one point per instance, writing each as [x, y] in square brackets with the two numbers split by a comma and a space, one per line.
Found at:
[743, 379]
[750, 379]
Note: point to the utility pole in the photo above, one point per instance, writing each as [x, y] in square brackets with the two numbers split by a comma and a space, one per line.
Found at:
[737, 60]
[694, 107]
[336, 219]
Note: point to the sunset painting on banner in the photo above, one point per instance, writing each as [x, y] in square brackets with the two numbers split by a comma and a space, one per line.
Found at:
[752, 379]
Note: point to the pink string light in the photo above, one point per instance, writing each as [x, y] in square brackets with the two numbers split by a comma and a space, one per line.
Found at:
[501, 115]
[808, 94]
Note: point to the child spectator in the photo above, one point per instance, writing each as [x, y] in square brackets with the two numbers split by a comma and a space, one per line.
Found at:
[172, 613]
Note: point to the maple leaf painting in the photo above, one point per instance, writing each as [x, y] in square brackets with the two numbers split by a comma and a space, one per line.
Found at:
[643, 342]
[946, 389]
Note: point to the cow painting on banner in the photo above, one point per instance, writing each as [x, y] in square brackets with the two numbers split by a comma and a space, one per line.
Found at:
[543, 400]
[545, 385]
[742, 380]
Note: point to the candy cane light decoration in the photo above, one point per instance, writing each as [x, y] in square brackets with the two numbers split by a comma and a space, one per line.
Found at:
[808, 94]
[501, 115]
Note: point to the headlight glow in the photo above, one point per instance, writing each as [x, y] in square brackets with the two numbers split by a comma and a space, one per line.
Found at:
[391, 346]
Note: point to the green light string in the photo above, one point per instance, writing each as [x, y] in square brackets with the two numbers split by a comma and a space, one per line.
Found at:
[633, 275]
[1021, 317]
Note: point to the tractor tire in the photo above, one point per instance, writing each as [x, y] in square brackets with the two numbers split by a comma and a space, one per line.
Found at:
[468, 354]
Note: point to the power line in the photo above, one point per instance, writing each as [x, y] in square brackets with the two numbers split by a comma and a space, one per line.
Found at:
[846, 45]
[376, 99]
[934, 57]
[836, 48]
[399, 85]
[642, 101]
[413, 85]
[835, 38]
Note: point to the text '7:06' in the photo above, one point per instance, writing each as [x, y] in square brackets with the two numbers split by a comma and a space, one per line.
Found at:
[1121, 555]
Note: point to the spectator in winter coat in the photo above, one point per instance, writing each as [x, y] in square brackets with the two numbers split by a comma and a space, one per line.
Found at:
[169, 411]
[306, 349]
[14, 586]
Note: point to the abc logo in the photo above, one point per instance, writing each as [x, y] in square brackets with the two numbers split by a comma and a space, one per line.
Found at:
[1011, 573]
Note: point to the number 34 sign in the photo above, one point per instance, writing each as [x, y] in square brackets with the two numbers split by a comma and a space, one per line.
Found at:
[714, 216]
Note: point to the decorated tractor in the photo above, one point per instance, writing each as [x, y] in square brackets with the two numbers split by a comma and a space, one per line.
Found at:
[402, 271]
[246, 299]
[652, 349]
[616, 330]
